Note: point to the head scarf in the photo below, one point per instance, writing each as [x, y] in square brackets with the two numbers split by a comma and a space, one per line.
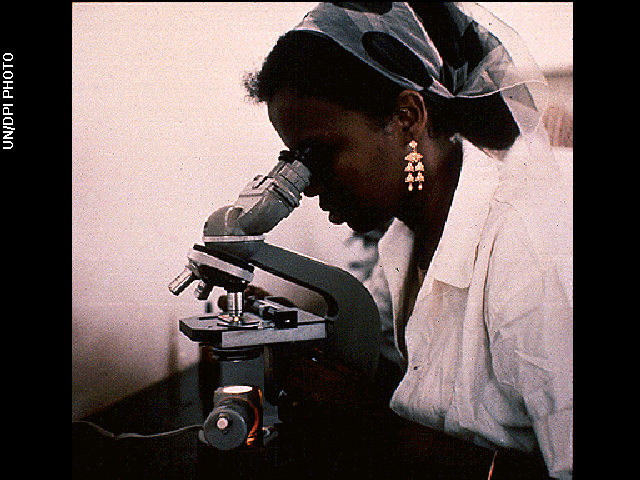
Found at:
[391, 38]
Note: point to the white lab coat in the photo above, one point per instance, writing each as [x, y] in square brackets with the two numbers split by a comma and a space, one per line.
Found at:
[490, 339]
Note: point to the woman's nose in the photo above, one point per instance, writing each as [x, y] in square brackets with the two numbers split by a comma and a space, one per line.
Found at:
[314, 189]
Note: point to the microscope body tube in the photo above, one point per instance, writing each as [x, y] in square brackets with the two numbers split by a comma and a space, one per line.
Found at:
[261, 205]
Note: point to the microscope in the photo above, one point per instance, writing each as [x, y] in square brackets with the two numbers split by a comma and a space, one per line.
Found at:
[233, 246]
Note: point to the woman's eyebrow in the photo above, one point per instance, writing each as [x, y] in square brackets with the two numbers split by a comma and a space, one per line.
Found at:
[313, 141]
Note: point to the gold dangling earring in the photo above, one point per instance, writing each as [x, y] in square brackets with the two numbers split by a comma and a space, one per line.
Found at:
[414, 165]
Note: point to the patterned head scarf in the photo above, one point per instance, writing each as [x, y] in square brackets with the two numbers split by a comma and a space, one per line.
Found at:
[490, 57]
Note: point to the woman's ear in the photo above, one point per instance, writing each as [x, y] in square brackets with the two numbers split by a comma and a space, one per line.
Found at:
[411, 113]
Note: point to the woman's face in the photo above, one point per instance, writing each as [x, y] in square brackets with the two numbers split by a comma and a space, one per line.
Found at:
[365, 175]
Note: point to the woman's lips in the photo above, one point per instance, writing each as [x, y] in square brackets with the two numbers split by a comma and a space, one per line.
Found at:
[335, 218]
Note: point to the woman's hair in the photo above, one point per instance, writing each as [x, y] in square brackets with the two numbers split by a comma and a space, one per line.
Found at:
[313, 65]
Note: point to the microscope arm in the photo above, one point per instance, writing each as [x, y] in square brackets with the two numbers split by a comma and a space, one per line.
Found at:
[353, 328]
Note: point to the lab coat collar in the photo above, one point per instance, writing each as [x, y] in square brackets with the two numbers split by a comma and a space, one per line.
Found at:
[394, 250]
[455, 256]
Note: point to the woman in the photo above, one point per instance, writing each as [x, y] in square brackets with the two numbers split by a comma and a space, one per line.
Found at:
[427, 116]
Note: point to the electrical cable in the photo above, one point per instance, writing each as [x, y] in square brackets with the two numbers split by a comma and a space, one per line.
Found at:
[269, 432]
[121, 436]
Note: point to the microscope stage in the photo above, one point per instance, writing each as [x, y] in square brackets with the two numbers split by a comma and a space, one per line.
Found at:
[211, 329]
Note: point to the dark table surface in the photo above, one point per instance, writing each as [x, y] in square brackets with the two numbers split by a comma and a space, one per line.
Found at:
[321, 443]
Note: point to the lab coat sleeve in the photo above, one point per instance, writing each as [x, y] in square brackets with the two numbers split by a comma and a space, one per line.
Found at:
[529, 319]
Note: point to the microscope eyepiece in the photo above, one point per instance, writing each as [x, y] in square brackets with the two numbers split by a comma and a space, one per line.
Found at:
[317, 158]
[286, 156]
